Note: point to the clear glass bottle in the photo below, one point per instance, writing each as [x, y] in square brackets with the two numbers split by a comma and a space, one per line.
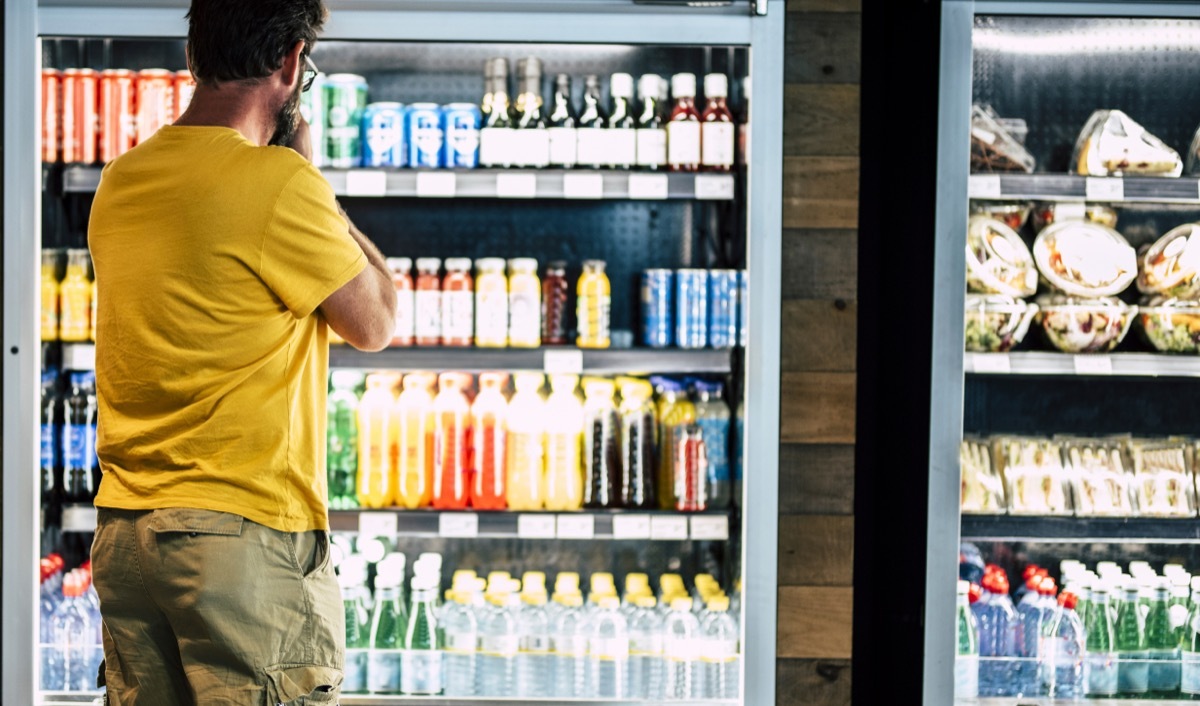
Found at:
[352, 577]
[497, 137]
[388, 623]
[966, 660]
[593, 306]
[563, 124]
[532, 139]
[639, 444]
[622, 123]
[421, 672]
[651, 134]
[341, 456]
[1162, 642]
[1133, 667]
[712, 414]
[491, 303]
[591, 142]
[717, 127]
[683, 126]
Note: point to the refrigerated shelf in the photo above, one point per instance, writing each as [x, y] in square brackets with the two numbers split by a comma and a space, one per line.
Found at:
[76, 698]
[582, 184]
[1110, 364]
[1184, 191]
[1080, 530]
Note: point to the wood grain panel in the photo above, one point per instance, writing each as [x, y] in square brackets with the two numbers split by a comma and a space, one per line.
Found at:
[815, 622]
[820, 119]
[820, 192]
[813, 682]
[817, 408]
[820, 264]
[823, 47]
[819, 335]
[824, 6]
[816, 550]
[816, 479]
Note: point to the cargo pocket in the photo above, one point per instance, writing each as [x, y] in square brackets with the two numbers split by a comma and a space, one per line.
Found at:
[195, 522]
[303, 684]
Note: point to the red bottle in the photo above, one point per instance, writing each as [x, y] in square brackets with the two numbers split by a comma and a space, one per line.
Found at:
[690, 469]
[452, 413]
[717, 127]
[683, 128]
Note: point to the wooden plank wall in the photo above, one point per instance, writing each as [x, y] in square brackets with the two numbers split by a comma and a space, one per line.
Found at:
[820, 218]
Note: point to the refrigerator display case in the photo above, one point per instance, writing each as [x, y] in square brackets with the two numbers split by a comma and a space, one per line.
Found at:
[632, 219]
[1061, 426]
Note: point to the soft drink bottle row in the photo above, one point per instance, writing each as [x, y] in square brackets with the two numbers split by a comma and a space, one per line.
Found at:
[400, 445]
[70, 642]
[503, 637]
[1108, 634]
[69, 468]
[91, 116]
[68, 296]
[528, 132]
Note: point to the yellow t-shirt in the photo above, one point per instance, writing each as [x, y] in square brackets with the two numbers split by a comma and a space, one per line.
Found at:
[211, 257]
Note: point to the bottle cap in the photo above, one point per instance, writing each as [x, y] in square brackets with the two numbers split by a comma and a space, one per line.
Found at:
[645, 601]
[683, 86]
[486, 264]
[716, 86]
[718, 604]
[535, 598]
[636, 583]
[528, 382]
[530, 67]
[399, 264]
[649, 86]
[523, 264]
[1068, 600]
[609, 603]
[681, 604]
[963, 588]
[572, 600]
[428, 264]
[556, 266]
[458, 264]
[594, 265]
[621, 86]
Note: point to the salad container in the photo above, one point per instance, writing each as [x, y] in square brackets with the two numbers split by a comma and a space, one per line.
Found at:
[1085, 259]
[1045, 214]
[1012, 214]
[1113, 144]
[1035, 479]
[982, 487]
[1171, 325]
[1085, 325]
[1171, 266]
[1165, 485]
[1102, 476]
[998, 261]
[996, 323]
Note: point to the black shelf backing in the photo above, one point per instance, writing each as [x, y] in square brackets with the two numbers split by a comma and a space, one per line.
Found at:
[1018, 528]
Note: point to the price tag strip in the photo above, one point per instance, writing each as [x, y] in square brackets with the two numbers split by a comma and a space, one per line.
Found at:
[631, 527]
[648, 187]
[583, 186]
[996, 363]
[668, 528]
[458, 524]
[516, 186]
[377, 524]
[436, 185]
[714, 187]
[567, 362]
[1105, 189]
[984, 186]
[535, 526]
[1093, 365]
[714, 527]
[366, 182]
[79, 518]
[576, 526]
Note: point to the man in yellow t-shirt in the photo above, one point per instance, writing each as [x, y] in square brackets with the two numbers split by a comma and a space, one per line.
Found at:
[221, 257]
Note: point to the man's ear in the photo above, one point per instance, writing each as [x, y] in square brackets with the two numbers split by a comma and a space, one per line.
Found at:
[293, 65]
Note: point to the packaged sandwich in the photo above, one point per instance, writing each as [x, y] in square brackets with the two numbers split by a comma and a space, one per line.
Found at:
[1165, 486]
[993, 147]
[982, 488]
[1102, 477]
[1035, 479]
[1113, 144]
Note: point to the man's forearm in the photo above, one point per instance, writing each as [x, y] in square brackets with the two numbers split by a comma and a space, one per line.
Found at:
[373, 255]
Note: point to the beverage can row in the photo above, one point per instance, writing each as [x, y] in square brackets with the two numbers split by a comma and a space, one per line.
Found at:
[694, 308]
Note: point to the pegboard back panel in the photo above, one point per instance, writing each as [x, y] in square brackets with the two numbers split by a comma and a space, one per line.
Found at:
[1054, 71]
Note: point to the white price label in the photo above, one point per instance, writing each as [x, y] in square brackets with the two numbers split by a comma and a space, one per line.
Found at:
[458, 524]
[535, 526]
[79, 356]
[576, 527]
[991, 363]
[648, 186]
[1070, 211]
[516, 186]
[1105, 189]
[668, 528]
[984, 186]
[714, 187]
[583, 186]
[436, 185]
[1093, 365]
[568, 362]
[631, 527]
[79, 518]
[377, 524]
[712, 528]
[366, 182]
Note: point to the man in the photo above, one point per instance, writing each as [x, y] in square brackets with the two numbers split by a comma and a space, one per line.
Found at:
[220, 257]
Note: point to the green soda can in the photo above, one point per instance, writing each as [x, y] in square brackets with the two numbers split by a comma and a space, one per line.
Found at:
[345, 99]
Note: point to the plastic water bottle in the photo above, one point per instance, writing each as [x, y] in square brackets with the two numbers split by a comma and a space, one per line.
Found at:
[1064, 650]
[387, 628]
[1100, 667]
[421, 662]
[460, 629]
[1189, 680]
[1133, 674]
[608, 651]
[74, 637]
[966, 661]
[1163, 643]
[499, 644]
[353, 580]
[719, 652]
[712, 414]
[997, 638]
[646, 651]
[680, 634]
[91, 605]
[534, 663]
[569, 644]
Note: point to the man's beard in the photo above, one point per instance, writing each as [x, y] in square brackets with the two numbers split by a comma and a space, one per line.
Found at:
[286, 121]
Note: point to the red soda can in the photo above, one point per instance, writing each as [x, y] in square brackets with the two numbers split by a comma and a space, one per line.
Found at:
[116, 113]
[155, 101]
[80, 119]
[691, 469]
[51, 114]
[185, 86]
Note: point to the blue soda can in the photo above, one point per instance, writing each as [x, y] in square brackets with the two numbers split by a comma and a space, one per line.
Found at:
[743, 297]
[383, 135]
[691, 308]
[657, 316]
[460, 124]
[425, 137]
[722, 308]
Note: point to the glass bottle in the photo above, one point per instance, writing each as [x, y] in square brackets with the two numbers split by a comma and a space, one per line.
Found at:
[524, 303]
[1189, 683]
[593, 306]
[401, 268]
[554, 304]
[458, 303]
[526, 429]
[488, 422]
[342, 439]
[602, 460]
[451, 415]
[497, 137]
[49, 295]
[717, 127]
[966, 662]
[651, 135]
[1100, 668]
[491, 303]
[421, 670]
[428, 301]
[1132, 667]
[75, 297]
[563, 122]
[683, 126]
[639, 452]
[352, 577]
[414, 448]
[375, 439]
[532, 139]
[388, 623]
[712, 414]
[564, 430]
[675, 412]
[622, 123]
[591, 143]
[1163, 644]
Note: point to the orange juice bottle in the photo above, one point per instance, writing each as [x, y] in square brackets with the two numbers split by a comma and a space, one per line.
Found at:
[375, 429]
[564, 431]
[50, 292]
[76, 299]
[452, 413]
[491, 303]
[413, 486]
[594, 297]
[488, 417]
[524, 303]
[526, 427]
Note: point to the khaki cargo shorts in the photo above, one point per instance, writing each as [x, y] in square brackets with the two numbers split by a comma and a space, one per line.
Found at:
[207, 608]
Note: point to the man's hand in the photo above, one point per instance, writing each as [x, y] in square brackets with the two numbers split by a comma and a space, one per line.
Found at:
[302, 140]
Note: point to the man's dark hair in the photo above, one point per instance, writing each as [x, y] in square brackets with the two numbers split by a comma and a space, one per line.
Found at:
[235, 40]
